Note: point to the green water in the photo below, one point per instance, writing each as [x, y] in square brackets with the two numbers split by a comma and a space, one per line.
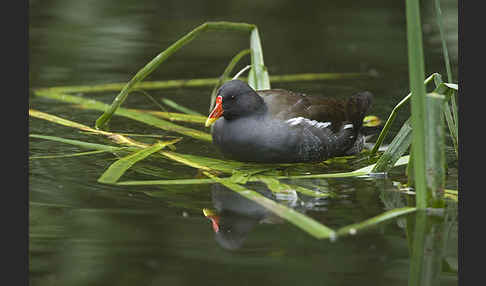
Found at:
[85, 233]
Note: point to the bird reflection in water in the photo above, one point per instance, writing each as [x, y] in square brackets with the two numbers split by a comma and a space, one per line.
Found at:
[233, 216]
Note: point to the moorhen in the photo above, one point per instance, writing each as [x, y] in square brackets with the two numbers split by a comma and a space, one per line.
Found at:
[280, 126]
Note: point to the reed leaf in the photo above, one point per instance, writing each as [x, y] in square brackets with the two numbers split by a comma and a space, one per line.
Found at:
[62, 121]
[201, 82]
[391, 214]
[393, 114]
[451, 125]
[317, 76]
[435, 146]
[179, 107]
[132, 114]
[452, 86]
[67, 155]
[144, 85]
[448, 90]
[226, 75]
[212, 164]
[398, 146]
[118, 168]
[120, 139]
[166, 182]
[174, 116]
[416, 76]
[302, 221]
[438, 14]
[160, 58]
[258, 77]
[194, 164]
[404, 160]
[81, 144]
[417, 249]
[125, 141]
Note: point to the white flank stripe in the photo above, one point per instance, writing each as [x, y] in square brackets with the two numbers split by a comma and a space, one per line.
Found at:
[301, 120]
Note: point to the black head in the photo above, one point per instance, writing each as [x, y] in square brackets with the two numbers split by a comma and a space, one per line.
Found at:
[239, 100]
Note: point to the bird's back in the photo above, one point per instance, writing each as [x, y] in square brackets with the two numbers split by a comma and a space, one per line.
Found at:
[286, 105]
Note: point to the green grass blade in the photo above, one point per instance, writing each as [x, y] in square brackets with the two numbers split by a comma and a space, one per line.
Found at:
[154, 101]
[416, 75]
[418, 243]
[258, 77]
[61, 121]
[132, 114]
[166, 182]
[118, 138]
[330, 175]
[360, 172]
[435, 146]
[448, 90]
[174, 116]
[226, 75]
[451, 126]
[452, 86]
[189, 160]
[117, 169]
[438, 15]
[316, 77]
[212, 164]
[160, 58]
[179, 107]
[81, 144]
[371, 222]
[144, 85]
[398, 146]
[393, 114]
[302, 221]
[201, 82]
[68, 155]
[404, 160]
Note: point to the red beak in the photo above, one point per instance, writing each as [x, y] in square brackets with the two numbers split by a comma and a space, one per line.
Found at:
[216, 113]
[213, 217]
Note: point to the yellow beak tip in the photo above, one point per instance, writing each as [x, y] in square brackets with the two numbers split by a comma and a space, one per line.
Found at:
[210, 121]
[208, 212]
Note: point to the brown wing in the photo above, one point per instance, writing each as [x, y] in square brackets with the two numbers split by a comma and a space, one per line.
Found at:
[284, 104]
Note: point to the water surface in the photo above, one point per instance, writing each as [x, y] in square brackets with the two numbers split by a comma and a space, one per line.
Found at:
[85, 233]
